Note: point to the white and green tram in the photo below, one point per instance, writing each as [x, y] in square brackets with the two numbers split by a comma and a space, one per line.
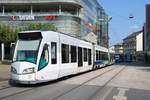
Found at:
[42, 56]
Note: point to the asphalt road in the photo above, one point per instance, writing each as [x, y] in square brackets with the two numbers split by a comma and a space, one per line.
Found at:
[117, 82]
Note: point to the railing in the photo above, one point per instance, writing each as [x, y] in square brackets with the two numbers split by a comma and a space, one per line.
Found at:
[39, 1]
[14, 14]
[39, 13]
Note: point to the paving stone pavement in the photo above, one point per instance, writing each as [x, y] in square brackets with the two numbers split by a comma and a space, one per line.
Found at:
[4, 72]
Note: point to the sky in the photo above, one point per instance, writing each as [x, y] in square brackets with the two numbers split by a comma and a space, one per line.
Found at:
[120, 10]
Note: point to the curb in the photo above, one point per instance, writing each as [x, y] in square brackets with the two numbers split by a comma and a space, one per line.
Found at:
[5, 62]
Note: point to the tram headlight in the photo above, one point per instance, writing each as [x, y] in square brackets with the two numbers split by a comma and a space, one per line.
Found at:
[28, 71]
[13, 70]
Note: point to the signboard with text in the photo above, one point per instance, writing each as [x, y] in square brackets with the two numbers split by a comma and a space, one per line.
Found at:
[26, 17]
[23, 18]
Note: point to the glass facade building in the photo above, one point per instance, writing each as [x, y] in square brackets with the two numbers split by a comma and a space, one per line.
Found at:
[74, 17]
[95, 20]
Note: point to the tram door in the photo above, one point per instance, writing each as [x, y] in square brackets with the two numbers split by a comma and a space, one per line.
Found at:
[80, 59]
[89, 57]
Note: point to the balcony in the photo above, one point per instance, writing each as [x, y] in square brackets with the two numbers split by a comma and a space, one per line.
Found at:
[76, 2]
[40, 10]
[39, 14]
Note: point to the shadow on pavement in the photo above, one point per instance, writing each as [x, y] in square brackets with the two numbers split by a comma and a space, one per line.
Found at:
[136, 64]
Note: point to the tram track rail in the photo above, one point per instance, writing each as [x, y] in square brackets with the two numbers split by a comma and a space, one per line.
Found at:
[4, 85]
[22, 89]
[55, 98]
[106, 83]
[26, 90]
[13, 94]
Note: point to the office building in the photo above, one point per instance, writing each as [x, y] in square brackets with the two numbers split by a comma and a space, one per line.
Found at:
[119, 52]
[133, 47]
[74, 17]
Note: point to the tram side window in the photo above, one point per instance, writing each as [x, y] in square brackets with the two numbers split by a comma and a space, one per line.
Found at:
[65, 53]
[99, 58]
[97, 55]
[73, 54]
[53, 53]
[85, 54]
[89, 57]
[44, 58]
[106, 56]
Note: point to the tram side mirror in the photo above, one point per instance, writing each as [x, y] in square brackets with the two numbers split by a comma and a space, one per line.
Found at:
[47, 44]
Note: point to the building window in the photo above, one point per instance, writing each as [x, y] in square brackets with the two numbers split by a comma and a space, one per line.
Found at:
[73, 54]
[53, 53]
[17, 10]
[1, 9]
[46, 9]
[69, 9]
[65, 53]
[85, 54]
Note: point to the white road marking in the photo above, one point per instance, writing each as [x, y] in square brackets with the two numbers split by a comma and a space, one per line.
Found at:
[107, 93]
[121, 94]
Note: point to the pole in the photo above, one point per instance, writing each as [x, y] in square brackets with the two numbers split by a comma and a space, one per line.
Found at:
[31, 9]
[3, 13]
[2, 52]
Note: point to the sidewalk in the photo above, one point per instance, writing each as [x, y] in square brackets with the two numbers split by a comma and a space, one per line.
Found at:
[4, 72]
[6, 62]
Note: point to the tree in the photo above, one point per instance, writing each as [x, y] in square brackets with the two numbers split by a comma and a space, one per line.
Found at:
[41, 26]
[8, 34]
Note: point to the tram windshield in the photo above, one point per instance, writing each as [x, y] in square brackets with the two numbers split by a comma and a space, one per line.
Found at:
[27, 50]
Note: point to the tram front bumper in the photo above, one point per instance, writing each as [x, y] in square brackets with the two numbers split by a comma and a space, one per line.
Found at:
[23, 78]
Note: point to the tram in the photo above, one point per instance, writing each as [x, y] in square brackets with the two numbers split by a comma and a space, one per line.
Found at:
[42, 56]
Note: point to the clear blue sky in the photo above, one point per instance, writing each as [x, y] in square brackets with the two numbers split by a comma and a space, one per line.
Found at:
[121, 26]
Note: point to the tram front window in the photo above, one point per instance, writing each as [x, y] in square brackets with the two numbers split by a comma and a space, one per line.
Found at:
[27, 50]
